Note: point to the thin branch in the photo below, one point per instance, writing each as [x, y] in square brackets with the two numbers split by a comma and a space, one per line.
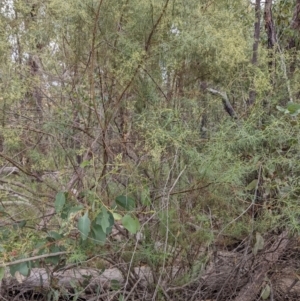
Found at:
[2, 265]
[227, 105]
[166, 205]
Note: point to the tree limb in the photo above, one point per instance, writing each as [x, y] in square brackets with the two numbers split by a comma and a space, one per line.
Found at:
[227, 105]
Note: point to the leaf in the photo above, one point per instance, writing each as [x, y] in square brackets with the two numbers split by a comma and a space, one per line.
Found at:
[75, 209]
[103, 219]
[53, 236]
[64, 214]
[85, 282]
[281, 109]
[20, 224]
[84, 226]
[259, 243]
[85, 163]
[130, 223]
[2, 273]
[106, 220]
[60, 201]
[117, 216]
[125, 202]
[22, 268]
[97, 234]
[252, 185]
[293, 107]
[266, 292]
[115, 285]
[53, 259]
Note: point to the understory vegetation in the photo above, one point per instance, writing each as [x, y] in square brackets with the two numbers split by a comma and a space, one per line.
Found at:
[150, 136]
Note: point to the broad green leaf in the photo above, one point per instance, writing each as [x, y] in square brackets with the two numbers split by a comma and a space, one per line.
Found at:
[117, 216]
[60, 201]
[22, 268]
[115, 284]
[85, 282]
[20, 224]
[130, 223]
[106, 220]
[252, 185]
[293, 107]
[64, 214]
[281, 109]
[53, 259]
[265, 294]
[75, 209]
[125, 202]
[2, 273]
[97, 234]
[85, 163]
[84, 226]
[52, 236]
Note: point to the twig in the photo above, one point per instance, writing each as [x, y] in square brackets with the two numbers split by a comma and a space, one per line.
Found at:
[167, 221]
[249, 207]
[133, 288]
[2, 265]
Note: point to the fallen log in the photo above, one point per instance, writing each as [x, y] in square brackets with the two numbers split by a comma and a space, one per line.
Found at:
[228, 275]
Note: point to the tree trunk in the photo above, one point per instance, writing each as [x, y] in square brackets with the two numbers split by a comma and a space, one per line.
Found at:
[269, 24]
[252, 94]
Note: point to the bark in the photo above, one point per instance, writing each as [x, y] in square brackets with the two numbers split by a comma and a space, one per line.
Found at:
[272, 41]
[252, 94]
[226, 103]
[269, 24]
[34, 63]
[295, 24]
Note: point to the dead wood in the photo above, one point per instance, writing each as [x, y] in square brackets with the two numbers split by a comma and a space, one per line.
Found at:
[229, 275]
[263, 264]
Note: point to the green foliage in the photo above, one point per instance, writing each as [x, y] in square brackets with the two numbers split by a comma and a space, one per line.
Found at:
[106, 220]
[125, 202]
[292, 108]
[60, 201]
[2, 273]
[112, 133]
[84, 226]
[266, 292]
[130, 223]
